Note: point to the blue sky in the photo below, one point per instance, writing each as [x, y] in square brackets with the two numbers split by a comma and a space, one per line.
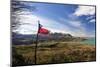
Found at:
[78, 20]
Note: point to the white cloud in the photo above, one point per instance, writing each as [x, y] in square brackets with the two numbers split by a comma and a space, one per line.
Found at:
[84, 10]
[78, 29]
[90, 17]
[30, 25]
[92, 21]
[74, 23]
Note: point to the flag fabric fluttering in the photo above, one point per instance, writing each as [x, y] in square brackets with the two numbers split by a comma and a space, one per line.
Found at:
[42, 30]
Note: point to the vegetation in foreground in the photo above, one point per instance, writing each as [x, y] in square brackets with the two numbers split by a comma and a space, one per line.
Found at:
[53, 52]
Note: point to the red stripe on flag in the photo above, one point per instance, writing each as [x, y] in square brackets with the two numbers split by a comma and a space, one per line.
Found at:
[43, 31]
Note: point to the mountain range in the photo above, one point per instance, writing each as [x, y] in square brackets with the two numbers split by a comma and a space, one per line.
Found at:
[29, 39]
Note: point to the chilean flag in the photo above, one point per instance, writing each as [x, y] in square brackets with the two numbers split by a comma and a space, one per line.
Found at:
[43, 30]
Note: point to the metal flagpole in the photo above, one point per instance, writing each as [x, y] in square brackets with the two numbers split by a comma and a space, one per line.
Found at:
[36, 43]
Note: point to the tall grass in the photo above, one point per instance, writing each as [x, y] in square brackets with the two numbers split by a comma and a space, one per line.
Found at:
[55, 52]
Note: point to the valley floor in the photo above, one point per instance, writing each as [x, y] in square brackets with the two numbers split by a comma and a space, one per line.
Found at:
[53, 52]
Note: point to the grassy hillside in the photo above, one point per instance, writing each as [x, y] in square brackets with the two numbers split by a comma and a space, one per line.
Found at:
[53, 52]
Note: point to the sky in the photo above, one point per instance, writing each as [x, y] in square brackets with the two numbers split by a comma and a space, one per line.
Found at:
[78, 20]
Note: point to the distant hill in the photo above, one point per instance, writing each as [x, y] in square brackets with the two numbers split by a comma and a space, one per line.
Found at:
[18, 39]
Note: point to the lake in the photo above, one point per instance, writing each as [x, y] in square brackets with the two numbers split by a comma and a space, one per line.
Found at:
[90, 41]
